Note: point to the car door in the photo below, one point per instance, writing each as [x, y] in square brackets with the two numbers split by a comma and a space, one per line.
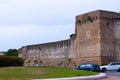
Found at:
[89, 67]
[112, 66]
[117, 65]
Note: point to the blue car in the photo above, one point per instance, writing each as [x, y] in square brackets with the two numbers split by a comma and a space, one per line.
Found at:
[89, 67]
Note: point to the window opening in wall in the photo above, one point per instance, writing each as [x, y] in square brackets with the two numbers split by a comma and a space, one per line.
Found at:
[89, 19]
[79, 22]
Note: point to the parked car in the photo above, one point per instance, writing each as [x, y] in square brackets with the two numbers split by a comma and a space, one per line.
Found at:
[89, 67]
[111, 66]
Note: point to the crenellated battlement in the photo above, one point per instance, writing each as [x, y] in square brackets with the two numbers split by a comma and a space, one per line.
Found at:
[43, 46]
[96, 15]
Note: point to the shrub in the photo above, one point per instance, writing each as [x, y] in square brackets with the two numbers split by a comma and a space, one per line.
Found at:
[10, 61]
[89, 19]
[11, 52]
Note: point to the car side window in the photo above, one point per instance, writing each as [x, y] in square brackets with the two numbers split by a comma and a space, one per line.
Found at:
[82, 66]
[96, 66]
[112, 64]
[89, 65]
[118, 64]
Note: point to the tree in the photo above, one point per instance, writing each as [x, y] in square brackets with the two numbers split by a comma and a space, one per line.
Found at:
[11, 52]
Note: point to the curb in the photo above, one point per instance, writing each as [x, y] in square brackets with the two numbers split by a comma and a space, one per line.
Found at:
[95, 77]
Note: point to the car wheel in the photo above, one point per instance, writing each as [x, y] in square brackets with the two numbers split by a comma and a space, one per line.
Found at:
[103, 69]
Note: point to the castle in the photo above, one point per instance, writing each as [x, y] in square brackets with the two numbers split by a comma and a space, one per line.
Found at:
[96, 39]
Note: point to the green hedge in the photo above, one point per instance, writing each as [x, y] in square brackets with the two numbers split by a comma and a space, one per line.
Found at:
[10, 61]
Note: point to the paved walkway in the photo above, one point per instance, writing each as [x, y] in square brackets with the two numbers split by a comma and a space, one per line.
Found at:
[111, 78]
[86, 78]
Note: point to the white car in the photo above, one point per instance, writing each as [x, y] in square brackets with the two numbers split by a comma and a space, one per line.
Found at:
[111, 66]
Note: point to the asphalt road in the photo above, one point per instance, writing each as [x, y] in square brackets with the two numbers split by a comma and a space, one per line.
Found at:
[113, 73]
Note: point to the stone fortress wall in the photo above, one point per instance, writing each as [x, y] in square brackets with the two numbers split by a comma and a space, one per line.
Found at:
[96, 39]
[48, 54]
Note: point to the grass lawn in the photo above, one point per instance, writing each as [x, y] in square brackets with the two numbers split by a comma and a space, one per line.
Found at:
[27, 73]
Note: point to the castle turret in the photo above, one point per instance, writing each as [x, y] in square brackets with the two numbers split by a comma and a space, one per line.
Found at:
[96, 37]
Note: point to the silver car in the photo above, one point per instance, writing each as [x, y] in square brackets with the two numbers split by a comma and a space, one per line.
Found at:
[111, 66]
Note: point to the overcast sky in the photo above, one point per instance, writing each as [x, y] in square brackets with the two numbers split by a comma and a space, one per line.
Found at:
[26, 22]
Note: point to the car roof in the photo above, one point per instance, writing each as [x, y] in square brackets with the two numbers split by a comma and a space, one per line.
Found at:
[89, 63]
